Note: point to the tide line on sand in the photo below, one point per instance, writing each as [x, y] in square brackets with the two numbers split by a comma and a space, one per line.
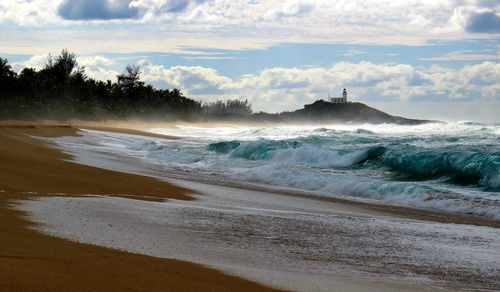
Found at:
[50, 174]
[32, 261]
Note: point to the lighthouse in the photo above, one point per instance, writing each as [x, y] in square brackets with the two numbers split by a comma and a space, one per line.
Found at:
[342, 99]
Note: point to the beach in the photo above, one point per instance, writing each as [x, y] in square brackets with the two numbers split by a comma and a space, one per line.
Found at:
[32, 261]
[140, 227]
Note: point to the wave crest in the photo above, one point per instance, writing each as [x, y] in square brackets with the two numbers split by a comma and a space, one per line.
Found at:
[464, 168]
[302, 153]
[457, 167]
[223, 147]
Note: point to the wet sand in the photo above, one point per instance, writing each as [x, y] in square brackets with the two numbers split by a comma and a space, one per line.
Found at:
[51, 176]
[32, 261]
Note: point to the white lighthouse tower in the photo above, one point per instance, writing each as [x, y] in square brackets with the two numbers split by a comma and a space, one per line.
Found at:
[342, 99]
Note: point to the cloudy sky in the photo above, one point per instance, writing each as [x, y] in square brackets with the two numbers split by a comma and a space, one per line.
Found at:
[417, 58]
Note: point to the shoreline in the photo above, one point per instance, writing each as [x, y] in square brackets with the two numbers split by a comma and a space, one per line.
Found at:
[399, 211]
[31, 260]
[343, 207]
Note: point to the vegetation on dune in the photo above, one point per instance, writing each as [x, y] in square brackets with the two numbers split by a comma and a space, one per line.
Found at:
[62, 90]
[231, 109]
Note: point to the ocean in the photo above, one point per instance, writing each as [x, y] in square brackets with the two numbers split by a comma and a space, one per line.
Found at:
[247, 221]
[453, 167]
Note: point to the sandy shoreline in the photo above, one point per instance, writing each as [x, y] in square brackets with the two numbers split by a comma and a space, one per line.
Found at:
[49, 175]
[31, 261]
[139, 128]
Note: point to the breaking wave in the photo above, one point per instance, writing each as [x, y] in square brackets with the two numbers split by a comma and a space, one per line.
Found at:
[453, 167]
[458, 167]
[463, 168]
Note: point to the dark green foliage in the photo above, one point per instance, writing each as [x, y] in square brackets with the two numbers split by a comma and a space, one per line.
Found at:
[5, 70]
[131, 77]
[231, 109]
[62, 91]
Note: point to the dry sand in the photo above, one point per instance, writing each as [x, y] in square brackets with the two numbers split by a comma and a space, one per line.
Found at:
[31, 261]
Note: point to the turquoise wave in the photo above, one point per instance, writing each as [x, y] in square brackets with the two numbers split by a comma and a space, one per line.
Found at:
[463, 168]
[400, 162]
[223, 147]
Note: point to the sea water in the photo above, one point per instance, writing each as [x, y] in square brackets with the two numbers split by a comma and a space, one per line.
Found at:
[298, 242]
[442, 166]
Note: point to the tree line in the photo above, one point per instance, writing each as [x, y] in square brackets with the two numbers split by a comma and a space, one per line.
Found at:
[61, 90]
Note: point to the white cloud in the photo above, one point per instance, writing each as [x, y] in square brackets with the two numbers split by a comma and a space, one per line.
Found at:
[95, 62]
[29, 13]
[36, 62]
[278, 89]
[98, 67]
[273, 21]
[159, 10]
[36, 13]
[353, 52]
[292, 8]
[465, 55]
[194, 80]
[486, 74]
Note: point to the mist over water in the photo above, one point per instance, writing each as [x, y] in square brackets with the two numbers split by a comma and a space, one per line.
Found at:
[453, 167]
[296, 242]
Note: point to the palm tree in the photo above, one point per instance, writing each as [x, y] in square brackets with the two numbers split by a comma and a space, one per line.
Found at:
[130, 78]
[5, 69]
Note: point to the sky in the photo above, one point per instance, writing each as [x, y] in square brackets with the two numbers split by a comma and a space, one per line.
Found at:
[435, 59]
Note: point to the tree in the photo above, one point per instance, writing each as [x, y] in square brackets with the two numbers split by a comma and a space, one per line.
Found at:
[7, 78]
[62, 67]
[130, 78]
[65, 63]
[5, 70]
[232, 108]
[62, 90]
[238, 107]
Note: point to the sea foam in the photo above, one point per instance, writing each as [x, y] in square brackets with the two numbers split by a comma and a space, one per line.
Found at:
[453, 167]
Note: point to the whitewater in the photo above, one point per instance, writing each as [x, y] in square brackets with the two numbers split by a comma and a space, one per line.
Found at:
[273, 203]
[453, 167]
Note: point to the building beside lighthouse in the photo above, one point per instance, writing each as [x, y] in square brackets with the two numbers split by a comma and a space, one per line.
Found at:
[342, 99]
